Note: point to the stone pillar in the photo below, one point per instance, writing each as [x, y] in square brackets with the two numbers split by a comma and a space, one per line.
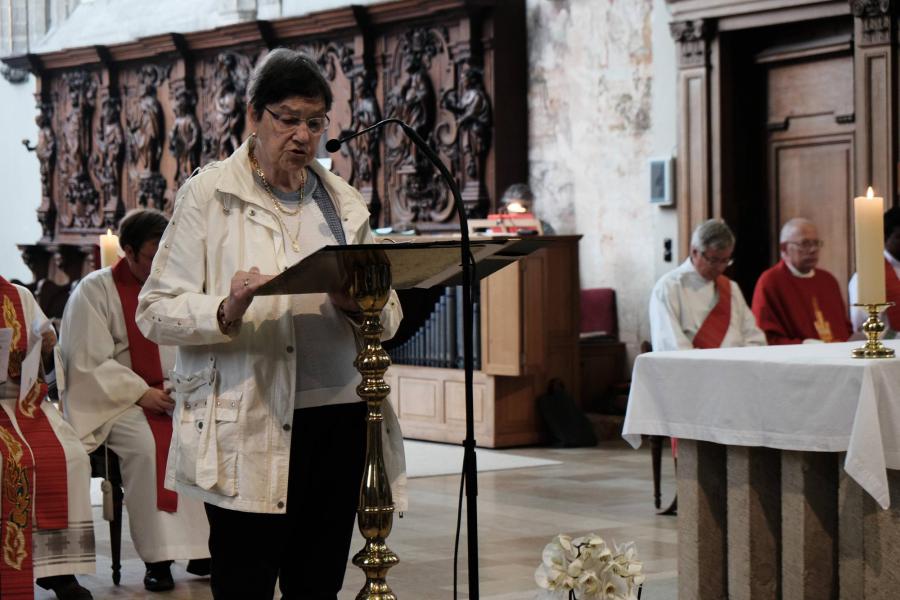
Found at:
[851, 574]
[754, 523]
[702, 545]
[809, 504]
[881, 544]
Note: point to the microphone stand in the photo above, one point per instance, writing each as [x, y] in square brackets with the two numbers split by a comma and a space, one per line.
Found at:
[470, 472]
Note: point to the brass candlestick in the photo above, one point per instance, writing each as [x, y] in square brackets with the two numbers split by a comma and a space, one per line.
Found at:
[370, 286]
[873, 328]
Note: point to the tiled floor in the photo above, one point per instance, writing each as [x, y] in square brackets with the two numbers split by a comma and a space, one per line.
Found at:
[606, 490]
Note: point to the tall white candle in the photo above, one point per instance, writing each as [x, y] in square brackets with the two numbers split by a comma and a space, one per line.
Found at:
[109, 248]
[868, 212]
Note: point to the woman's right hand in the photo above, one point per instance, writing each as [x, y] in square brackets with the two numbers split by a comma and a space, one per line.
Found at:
[243, 287]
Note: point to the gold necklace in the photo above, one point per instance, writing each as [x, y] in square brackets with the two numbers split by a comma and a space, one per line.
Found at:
[295, 239]
[254, 164]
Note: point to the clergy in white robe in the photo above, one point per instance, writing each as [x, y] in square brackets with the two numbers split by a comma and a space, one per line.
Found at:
[101, 400]
[55, 553]
[688, 307]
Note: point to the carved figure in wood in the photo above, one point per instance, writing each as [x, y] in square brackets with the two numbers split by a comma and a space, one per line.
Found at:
[106, 162]
[364, 149]
[145, 138]
[473, 119]
[226, 121]
[184, 138]
[412, 100]
[45, 150]
[80, 193]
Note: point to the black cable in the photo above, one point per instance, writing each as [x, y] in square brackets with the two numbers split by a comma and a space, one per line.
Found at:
[462, 485]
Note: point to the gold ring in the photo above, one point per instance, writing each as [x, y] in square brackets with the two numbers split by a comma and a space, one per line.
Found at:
[246, 282]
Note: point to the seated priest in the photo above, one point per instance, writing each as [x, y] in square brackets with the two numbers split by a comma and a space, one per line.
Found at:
[116, 393]
[696, 305]
[891, 316]
[45, 500]
[794, 302]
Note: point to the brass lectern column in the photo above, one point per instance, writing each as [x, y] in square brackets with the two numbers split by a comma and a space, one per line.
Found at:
[370, 287]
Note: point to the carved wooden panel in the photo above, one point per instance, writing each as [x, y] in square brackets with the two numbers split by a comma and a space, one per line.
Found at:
[124, 126]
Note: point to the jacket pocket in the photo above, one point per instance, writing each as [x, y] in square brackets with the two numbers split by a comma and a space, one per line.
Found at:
[203, 458]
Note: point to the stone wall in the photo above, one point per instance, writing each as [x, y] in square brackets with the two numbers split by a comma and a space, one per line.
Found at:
[601, 103]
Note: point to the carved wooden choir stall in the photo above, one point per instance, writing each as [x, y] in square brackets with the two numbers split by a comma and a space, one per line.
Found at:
[125, 125]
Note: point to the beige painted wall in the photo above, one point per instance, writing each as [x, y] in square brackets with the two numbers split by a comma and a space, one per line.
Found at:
[601, 103]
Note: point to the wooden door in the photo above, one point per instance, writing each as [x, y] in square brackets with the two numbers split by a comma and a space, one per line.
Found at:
[810, 146]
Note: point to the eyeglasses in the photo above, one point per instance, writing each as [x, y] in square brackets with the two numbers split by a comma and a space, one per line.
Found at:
[717, 262]
[285, 123]
[809, 244]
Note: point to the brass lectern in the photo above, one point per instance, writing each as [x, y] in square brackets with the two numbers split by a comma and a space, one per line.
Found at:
[369, 272]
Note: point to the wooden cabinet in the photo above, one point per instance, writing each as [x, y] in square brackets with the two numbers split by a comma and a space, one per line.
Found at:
[529, 335]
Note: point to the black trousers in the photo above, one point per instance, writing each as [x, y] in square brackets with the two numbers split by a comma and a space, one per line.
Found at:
[306, 549]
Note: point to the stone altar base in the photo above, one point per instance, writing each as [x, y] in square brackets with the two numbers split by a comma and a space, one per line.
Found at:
[759, 523]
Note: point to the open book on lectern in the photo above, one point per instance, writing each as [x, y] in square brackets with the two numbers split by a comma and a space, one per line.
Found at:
[414, 264]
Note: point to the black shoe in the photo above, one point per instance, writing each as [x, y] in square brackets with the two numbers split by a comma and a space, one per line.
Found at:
[159, 577]
[198, 566]
[65, 587]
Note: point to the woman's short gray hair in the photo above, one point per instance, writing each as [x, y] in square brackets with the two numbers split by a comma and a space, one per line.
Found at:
[285, 73]
[714, 234]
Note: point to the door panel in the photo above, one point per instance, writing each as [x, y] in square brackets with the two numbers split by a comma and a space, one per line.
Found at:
[812, 179]
[810, 153]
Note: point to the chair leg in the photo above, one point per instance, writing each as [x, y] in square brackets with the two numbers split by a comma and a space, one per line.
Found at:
[673, 508]
[656, 459]
[115, 534]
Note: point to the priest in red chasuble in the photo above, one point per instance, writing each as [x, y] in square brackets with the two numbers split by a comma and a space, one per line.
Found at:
[117, 393]
[46, 529]
[891, 316]
[794, 302]
[696, 305]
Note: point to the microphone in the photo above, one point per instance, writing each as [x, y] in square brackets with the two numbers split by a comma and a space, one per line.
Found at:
[470, 470]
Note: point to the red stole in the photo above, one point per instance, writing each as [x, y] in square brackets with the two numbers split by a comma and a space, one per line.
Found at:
[145, 362]
[715, 326]
[51, 491]
[16, 561]
[892, 285]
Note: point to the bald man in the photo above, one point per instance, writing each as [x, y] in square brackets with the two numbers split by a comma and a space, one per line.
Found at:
[794, 302]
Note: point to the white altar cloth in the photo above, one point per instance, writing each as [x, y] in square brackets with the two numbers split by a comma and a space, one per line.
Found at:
[808, 397]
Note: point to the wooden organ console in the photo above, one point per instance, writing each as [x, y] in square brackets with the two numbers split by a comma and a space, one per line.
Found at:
[526, 334]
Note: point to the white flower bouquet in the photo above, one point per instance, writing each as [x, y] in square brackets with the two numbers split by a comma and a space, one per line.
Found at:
[586, 568]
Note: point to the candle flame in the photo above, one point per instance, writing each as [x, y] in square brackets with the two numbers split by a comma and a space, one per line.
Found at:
[109, 231]
[870, 193]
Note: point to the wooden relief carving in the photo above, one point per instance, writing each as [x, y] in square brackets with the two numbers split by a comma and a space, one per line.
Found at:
[144, 137]
[410, 97]
[80, 194]
[185, 135]
[106, 160]
[470, 140]
[45, 150]
[224, 122]
[128, 125]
